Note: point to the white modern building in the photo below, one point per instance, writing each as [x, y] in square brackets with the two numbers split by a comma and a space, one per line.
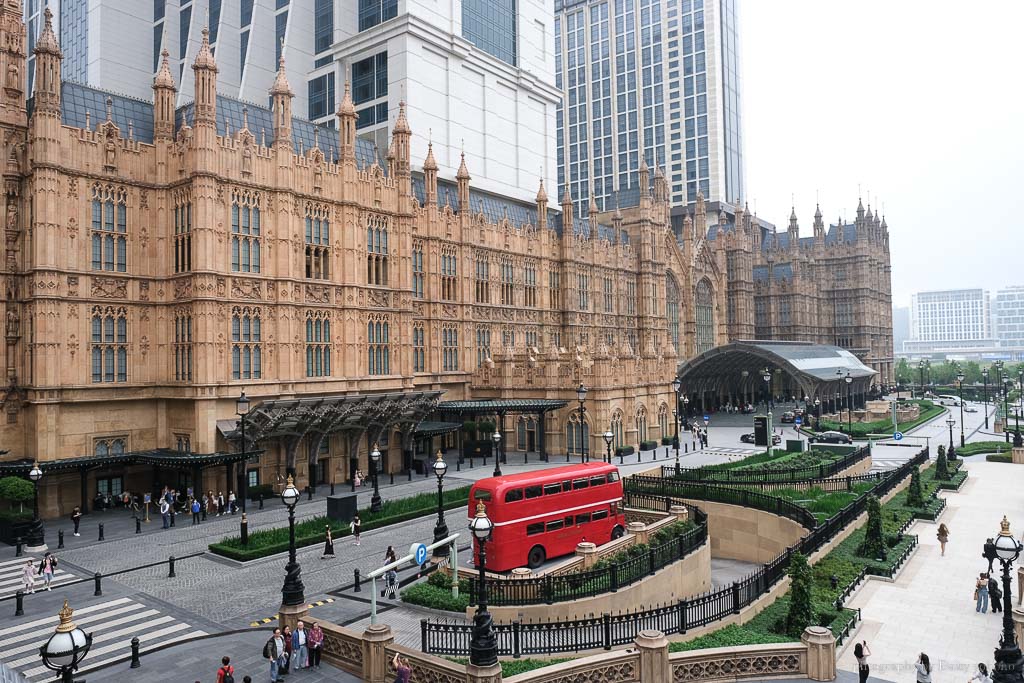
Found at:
[950, 321]
[1009, 316]
[657, 78]
[478, 75]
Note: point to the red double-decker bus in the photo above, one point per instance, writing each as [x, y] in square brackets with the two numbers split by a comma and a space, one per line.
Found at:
[546, 513]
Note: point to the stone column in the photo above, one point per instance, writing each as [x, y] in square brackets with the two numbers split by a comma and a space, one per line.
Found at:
[680, 511]
[638, 529]
[821, 653]
[1017, 455]
[588, 551]
[289, 615]
[376, 639]
[654, 664]
[483, 674]
[1018, 624]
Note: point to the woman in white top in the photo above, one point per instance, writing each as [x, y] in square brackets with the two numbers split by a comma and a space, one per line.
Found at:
[28, 577]
[861, 652]
[924, 669]
[981, 675]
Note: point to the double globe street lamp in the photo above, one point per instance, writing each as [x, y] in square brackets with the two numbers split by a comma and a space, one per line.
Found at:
[581, 395]
[67, 647]
[984, 376]
[1009, 666]
[950, 422]
[483, 645]
[441, 528]
[960, 386]
[676, 386]
[849, 403]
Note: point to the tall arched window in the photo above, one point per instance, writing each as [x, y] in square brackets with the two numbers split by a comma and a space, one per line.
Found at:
[577, 441]
[672, 310]
[641, 424]
[618, 439]
[663, 420]
[704, 304]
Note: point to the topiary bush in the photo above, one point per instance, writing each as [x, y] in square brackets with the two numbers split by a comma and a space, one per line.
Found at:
[648, 445]
[801, 609]
[915, 498]
[16, 490]
[942, 465]
[873, 545]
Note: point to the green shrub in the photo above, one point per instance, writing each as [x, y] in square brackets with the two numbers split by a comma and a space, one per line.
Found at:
[978, 447]
[666, 441]
[730, 636]
[511, 667]
[648, 445]
[873, 545]
[16, 490]
[427, 595]
[915, 497]
[801, 613]
[266, 490]
[999, 457]
[942, 465]
[469, 427]
[624, 450]
[14, 516]
[486, 426]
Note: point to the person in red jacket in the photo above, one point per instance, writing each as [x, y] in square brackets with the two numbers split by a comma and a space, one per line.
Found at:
[226, 672]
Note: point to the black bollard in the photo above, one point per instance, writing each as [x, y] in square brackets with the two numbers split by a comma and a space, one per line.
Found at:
[101, 531]
[409, 471]
[309, 493]
[204, 513]
[332, 488]
[392, 477]
[172, 517]
[245, 530]
[98, 578]
[356, 588]
[17, 547]
[60, 539]
[458, 465]
[19, 607]
[135, 654]
[138, 525]
[170, 567]
[261, 501]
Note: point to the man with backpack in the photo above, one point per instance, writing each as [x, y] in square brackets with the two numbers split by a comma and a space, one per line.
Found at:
[274, 651]
[226, 672]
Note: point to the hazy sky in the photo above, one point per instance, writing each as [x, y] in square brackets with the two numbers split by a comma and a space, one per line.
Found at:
[919, 102]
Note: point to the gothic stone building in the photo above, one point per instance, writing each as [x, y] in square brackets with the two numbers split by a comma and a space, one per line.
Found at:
[160, 261]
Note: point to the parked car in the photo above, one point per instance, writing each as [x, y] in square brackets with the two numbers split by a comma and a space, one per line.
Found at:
[831, 437]
[970, 409]
[749, 438]
[788, 416]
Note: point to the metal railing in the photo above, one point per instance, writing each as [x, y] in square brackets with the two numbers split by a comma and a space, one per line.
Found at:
[761, 475]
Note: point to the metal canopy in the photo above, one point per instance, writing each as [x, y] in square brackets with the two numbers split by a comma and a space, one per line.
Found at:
[817, 368]
[428, 429]
[499, 406]
[164, 457]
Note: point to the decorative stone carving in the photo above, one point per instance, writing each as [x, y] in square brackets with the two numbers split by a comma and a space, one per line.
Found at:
[222, 287]
[143, 199]
[246, 289]
[13, 323]
[72, 285]
[183, 288]
[318, 294]
[379, 299]
[143, 291]
[144, 345]
[109, 288]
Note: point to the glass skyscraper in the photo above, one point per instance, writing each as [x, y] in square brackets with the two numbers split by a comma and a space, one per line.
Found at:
[653, 77]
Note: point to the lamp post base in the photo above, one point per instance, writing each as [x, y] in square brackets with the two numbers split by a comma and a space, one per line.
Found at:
[376, 505]
[484, 674]
[290, 615]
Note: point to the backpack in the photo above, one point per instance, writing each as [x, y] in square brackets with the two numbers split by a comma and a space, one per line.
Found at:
[266, 649]
[227, 678]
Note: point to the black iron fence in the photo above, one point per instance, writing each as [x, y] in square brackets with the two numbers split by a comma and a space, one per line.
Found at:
[451, 637]
[830, 485]
[605, 579]
[749, 475]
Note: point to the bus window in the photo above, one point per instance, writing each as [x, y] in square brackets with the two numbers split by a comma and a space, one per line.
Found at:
[613, 477]
[568, 520]
[580, 484]
[482, 495]
[555, 525]
[512, 495]
[597, 481]
[600, 514]
[534, 491]
[550, 489]
[566, 486]
[534, 529]
[583, 519]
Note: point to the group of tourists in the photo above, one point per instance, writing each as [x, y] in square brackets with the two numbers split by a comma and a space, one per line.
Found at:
[172, 502]
[46, 568]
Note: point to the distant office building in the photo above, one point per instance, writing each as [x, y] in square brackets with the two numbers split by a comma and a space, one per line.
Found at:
[478, 74]
[1009, 317]
[900, 326]
[656, 79]
[950, 321]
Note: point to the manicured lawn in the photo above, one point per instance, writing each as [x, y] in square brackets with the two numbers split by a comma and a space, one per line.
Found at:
[862, 429]
[978, 447]
[824, 505]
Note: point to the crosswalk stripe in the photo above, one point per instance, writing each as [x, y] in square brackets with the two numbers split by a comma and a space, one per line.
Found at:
[97, 638]
[20, 561]
[21, 628]
[91, 665]
[81, 621]
[10, 580]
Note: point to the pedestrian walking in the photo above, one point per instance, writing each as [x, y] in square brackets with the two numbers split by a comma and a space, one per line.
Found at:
[316, 645]
[390, 584]
[47, 567]
[355, 526]
[995, 594]
[165, 512]
[861, 652]
[924, 669]
[231, 502]
[402, 669]
[28, 577]
[289, 648]
[357, 479]
[226, 672]
[943, 536]
[981, 675]
[274, 652]
[300, 647]
[981, 593]
[389, 555]
[220, 503]
[328, 543]
[76, 518]
[195, 512]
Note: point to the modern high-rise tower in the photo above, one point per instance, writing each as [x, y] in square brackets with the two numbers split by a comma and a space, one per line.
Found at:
[478, 74]
[652, 77]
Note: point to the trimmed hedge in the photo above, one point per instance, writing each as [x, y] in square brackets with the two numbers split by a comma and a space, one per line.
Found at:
[511, 667]
[999, 457]
[666, 441]
[979, 447]
[624, 450]
[863, 429]
[648, 445]
[436, 593]
[266, 489]
[266, 542]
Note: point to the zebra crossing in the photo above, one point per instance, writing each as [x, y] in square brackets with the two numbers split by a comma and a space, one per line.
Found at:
[113, 624]
[11, 572]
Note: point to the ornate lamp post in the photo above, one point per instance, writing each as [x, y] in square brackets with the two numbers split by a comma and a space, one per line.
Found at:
[743, 388]
[676, 385]
[67, 647]
[1006, 410]
[817, 410]
[767, 377]
[984, 376]
[496, 437]
[1009, 663]
[441, 528]
[608, 436]
[1020, 398]
[920, 369]
[36, 534]
[375, 502]
[849, 402]
[483, 646]
[292, 591]
[950, 422]
[242, 405]
[581, 395]
[960, 386]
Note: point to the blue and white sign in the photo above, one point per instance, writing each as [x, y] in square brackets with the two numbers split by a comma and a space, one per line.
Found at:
[707, 419]
[897, 436]
[798, 421]
[418, 552]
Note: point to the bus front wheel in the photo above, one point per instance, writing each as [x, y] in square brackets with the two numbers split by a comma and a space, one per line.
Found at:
[536, 557]
[617, 532]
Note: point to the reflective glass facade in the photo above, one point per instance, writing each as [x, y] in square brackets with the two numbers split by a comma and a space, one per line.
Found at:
[373, 12]
[491, 26]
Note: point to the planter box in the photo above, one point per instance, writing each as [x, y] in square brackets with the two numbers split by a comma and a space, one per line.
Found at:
[11, 531]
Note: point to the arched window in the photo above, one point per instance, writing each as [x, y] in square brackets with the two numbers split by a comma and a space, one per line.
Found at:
[704, 304]
[577, 440]
[377, 250]
[245, 232]
[318, 240]
[246, 338]
[663, 420]
[108, 344]
[641, 424]
[672, 310]
[618, 439]
[318, 344]
[109, 228]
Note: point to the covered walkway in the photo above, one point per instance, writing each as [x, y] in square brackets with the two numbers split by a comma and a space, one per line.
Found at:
[499, 408]
[745, 372]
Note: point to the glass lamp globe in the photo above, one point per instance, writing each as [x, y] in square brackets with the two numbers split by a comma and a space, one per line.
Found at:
[608, 436]
[440, 466]
[581, 392]
[35, 474]
[290, 495]
[1006, 545]
[481, 525]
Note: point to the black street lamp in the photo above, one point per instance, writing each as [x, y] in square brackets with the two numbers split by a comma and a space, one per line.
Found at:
[67, 647]
[849, 402]
[581, 395]
[483, 645]
[1020, 397]
[984, 375]
[1006, 410]
[817, 410]
[292, 591]
[608, 436]
[441, 528]
[36, 534]
[375, 503]
[950, 422]
[1009, 666]
[920, 369]
[242, 405]
[676, 386]
[496, 437]
[743, 389]
[960, 386]
[767, 377]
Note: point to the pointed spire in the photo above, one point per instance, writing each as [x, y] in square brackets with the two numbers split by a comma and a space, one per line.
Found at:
[817, 211]
[347, 126]
[110, 108]
[245, 121]
[566, 197]
[281, 86]
[430, 164]
[792, 215]
[347, 108]
[401, 123]
[463, 172]
[869, 215]
[645, 179]
[164, 79]
[885, 226]
[542, 195]
[204, 58]
[47, 41]
[592, 208]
